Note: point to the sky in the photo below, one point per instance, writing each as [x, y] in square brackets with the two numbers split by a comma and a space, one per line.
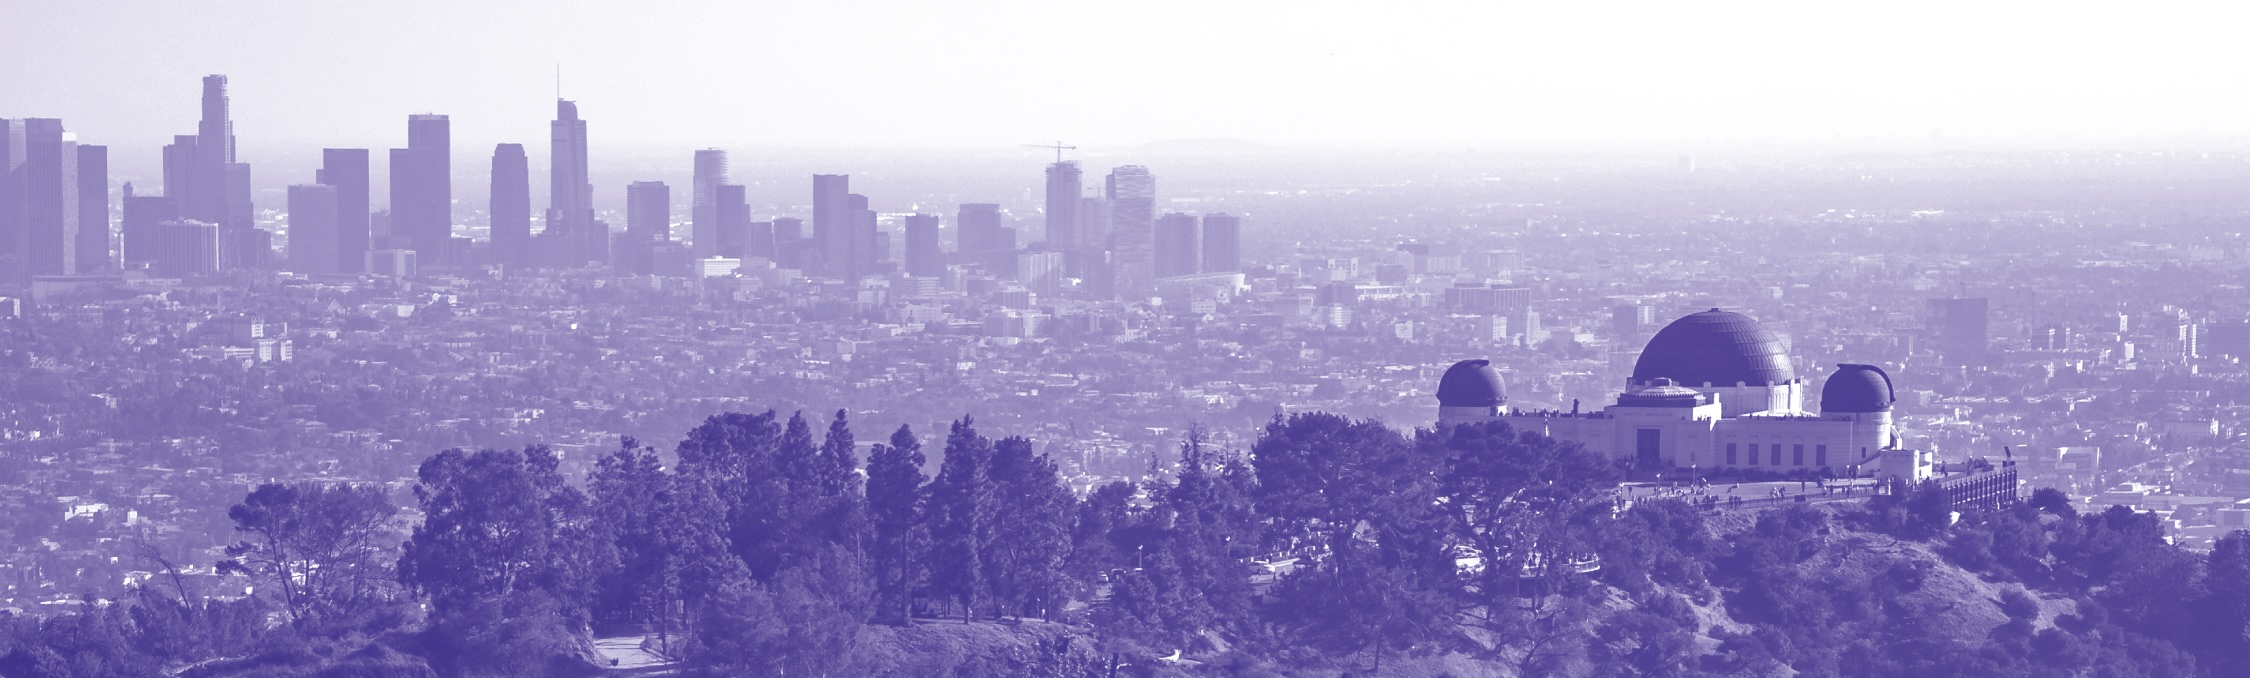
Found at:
[994, 74]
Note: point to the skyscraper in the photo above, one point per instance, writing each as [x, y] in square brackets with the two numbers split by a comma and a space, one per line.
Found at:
[572, 193]
[185, 248]
[388, 227]
[206, 196]
[648, 212]
[205, 182]
[346, 169]
[243, 244]
[1178, 245]
[422, 189]
[236, 181]
[93, 209]
[313, 229]
[570, 213]
[648, 229]
[831, 219]
[982, 237]
[850, 246]
[47, 238]
[1131, 192]
[11, 187]
[760, 242]
[1064, 190]
[924, 257]
[1093, 224]
[1222, 243]
[511, 206]
[790, 246]
[1090, 262]
[137, 226]
[734, 220]
[179, 170]
[703, 210]
[1963, 329]
[595, 241]
[1041, 272]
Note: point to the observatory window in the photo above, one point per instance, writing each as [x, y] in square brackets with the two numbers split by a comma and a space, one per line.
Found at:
[1820, 455]
[1753, 454]
[1777, 454]
[1797, 455]
[1731, 459]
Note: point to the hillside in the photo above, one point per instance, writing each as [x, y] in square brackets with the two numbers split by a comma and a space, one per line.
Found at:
[760, 551]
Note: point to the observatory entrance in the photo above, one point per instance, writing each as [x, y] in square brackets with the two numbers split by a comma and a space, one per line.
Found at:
[1648, 448]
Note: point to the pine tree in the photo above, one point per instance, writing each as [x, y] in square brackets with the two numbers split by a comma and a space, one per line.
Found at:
[838, 464]
[1031, 530]
[837, 511]
[961, 510]
[1208, 534]
[696, 563]
[747, 461]
[895, 501]
[629, 487]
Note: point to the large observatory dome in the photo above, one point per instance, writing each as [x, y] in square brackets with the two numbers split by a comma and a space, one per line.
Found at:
[1719, 348]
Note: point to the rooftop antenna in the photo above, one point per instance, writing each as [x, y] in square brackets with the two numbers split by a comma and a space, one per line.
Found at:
[558, 81]
[1058, 146]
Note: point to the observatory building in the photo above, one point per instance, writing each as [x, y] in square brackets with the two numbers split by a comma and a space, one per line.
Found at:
[1713, 390]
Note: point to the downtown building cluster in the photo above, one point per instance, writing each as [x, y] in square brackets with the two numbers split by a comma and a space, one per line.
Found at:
[1097, 243]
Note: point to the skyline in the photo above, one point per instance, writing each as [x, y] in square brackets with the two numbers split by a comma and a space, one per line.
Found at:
[206, 183]
[1443, 77]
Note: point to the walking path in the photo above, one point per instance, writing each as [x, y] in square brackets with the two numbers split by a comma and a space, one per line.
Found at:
[626, 657]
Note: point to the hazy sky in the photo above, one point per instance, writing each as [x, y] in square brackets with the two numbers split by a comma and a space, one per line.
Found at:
[657, 74]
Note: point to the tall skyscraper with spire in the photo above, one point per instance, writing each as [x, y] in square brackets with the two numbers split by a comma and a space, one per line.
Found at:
[703, 214]
[570, 211]
[511, 206]
[573, 193]
[1064, 190]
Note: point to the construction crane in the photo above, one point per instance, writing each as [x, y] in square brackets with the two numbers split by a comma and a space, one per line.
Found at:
[1058, 146]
